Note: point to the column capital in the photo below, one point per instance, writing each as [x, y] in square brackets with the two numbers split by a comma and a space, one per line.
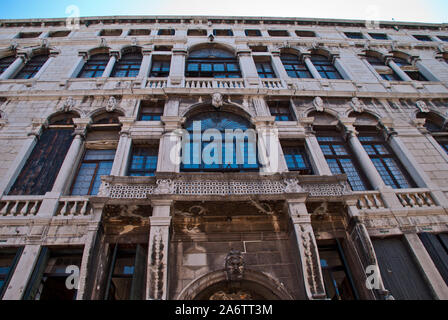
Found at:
[24, 55]
[37, 125]
[115, 53]
[179, 51]
[160, 221]
[387, 125]
[242, 52]
[307, 123]
[81, 125]
[420, 125]
[261, 122]
[84, 54]
[172, 123]
[146, 51]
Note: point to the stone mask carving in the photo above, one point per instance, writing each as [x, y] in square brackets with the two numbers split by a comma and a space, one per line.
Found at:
[235, 265]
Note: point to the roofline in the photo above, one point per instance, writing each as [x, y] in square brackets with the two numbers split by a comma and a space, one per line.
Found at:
[206, 18]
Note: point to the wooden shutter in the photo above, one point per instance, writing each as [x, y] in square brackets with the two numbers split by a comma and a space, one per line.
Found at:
[437, 251]
[42, 167]
[399, 271]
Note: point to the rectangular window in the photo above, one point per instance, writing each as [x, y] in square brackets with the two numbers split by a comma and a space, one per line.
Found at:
[281, 110]
[341, 161]
[166, 32]
[354, 35]
[264, 69]
[111, 33]
[385, 162]
[258, 48]
[197, 33]
[143, 161]
[252, 33]
[443, 38]
[58, 34]
[28, 35]
[278, 33]
[139, 32]
[422, 38]
[126, 279]
[379, 36]
[96, 163]
[42, 167]
[437, 247]
[296, 159]
[338, 280]
[305, 33]
[32, 67]
[151, 110]
[48, 280]
[223, 32]
[160, 67]
[8, 261]
[416, 75]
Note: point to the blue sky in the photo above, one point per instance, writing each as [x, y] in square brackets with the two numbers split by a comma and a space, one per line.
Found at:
[400, 10]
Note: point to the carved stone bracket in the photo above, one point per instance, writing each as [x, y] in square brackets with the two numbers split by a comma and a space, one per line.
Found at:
[234, 265]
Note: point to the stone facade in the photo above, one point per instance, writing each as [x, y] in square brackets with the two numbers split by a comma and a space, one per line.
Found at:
[273, 225]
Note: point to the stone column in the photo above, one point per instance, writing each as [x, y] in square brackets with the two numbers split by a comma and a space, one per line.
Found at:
[248, 69]
[177, 69]
[77, 66]
[307, 247]
[123, 151]
[170, 145]
[317, 157]
[360, 153]
[270, 152]
[345, 73]
[47, 63]
[110, 65]
[22, 273]
[146, 63]
[72, 157]
[425, 263]
[311, 67]
[14, 67]
[278, 65]
[158, 251]
[22, 156]
[426, 71]
[391, 63]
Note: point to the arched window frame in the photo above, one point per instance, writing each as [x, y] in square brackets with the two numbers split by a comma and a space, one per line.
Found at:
[32, 67]
[94, 67]
[216, 63]
[129, 64]
[295, 67]
[325, 67]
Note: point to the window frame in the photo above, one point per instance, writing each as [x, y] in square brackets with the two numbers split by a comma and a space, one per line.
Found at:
[298, 67]
[32, 67]
[225, 74]
[7, 278]
[293, 149]
[96, 65]
[6, 62]
[128, 65]
[280, 110]
[322, 65]
[263, 71]
[153, 148]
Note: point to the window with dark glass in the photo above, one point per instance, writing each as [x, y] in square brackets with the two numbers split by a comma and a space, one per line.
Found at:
[32, 67]
[48, 280]
[160, 67]
[443, 38]
[264, 68]
[28, 35]
[8, 261]
[5, 63]
[258, 48]
[95, 66]
[354, 35]
[379, 36]
[325, 68]
[197, 32]
[387, 165]
[42, 167]
[163, 48]
[384, 71]
[151, 110]
[58, 34]
[252, 32]
[95, 163]
[128, 66]
[235, 153]
[412, 71]
[436, 126]
[139, 32]
[166, 32]
[341, 160]
[305, 33]
[278, 33]
[416, 75]
[126, 278]
[223, 32]
[143, 161]
[295, 67]
[212, 63]
[296, 158]
[437, 247]
[422, 38]
[338, 279]
[281, 110]
[111, 33]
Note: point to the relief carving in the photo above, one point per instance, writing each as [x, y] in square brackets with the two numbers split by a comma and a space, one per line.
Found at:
[234, 265]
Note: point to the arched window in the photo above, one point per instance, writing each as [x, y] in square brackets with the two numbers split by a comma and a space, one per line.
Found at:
[128, 65]
[437, 126]
[294, 67]
[5, 63]
[219, 141]
[325, 68]
[337, 152]
[42, 167]
[212, 62]
[32, 67]
[95, 66]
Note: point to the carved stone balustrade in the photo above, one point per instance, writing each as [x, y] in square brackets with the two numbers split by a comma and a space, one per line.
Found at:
[20, 206]
[74, 206]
